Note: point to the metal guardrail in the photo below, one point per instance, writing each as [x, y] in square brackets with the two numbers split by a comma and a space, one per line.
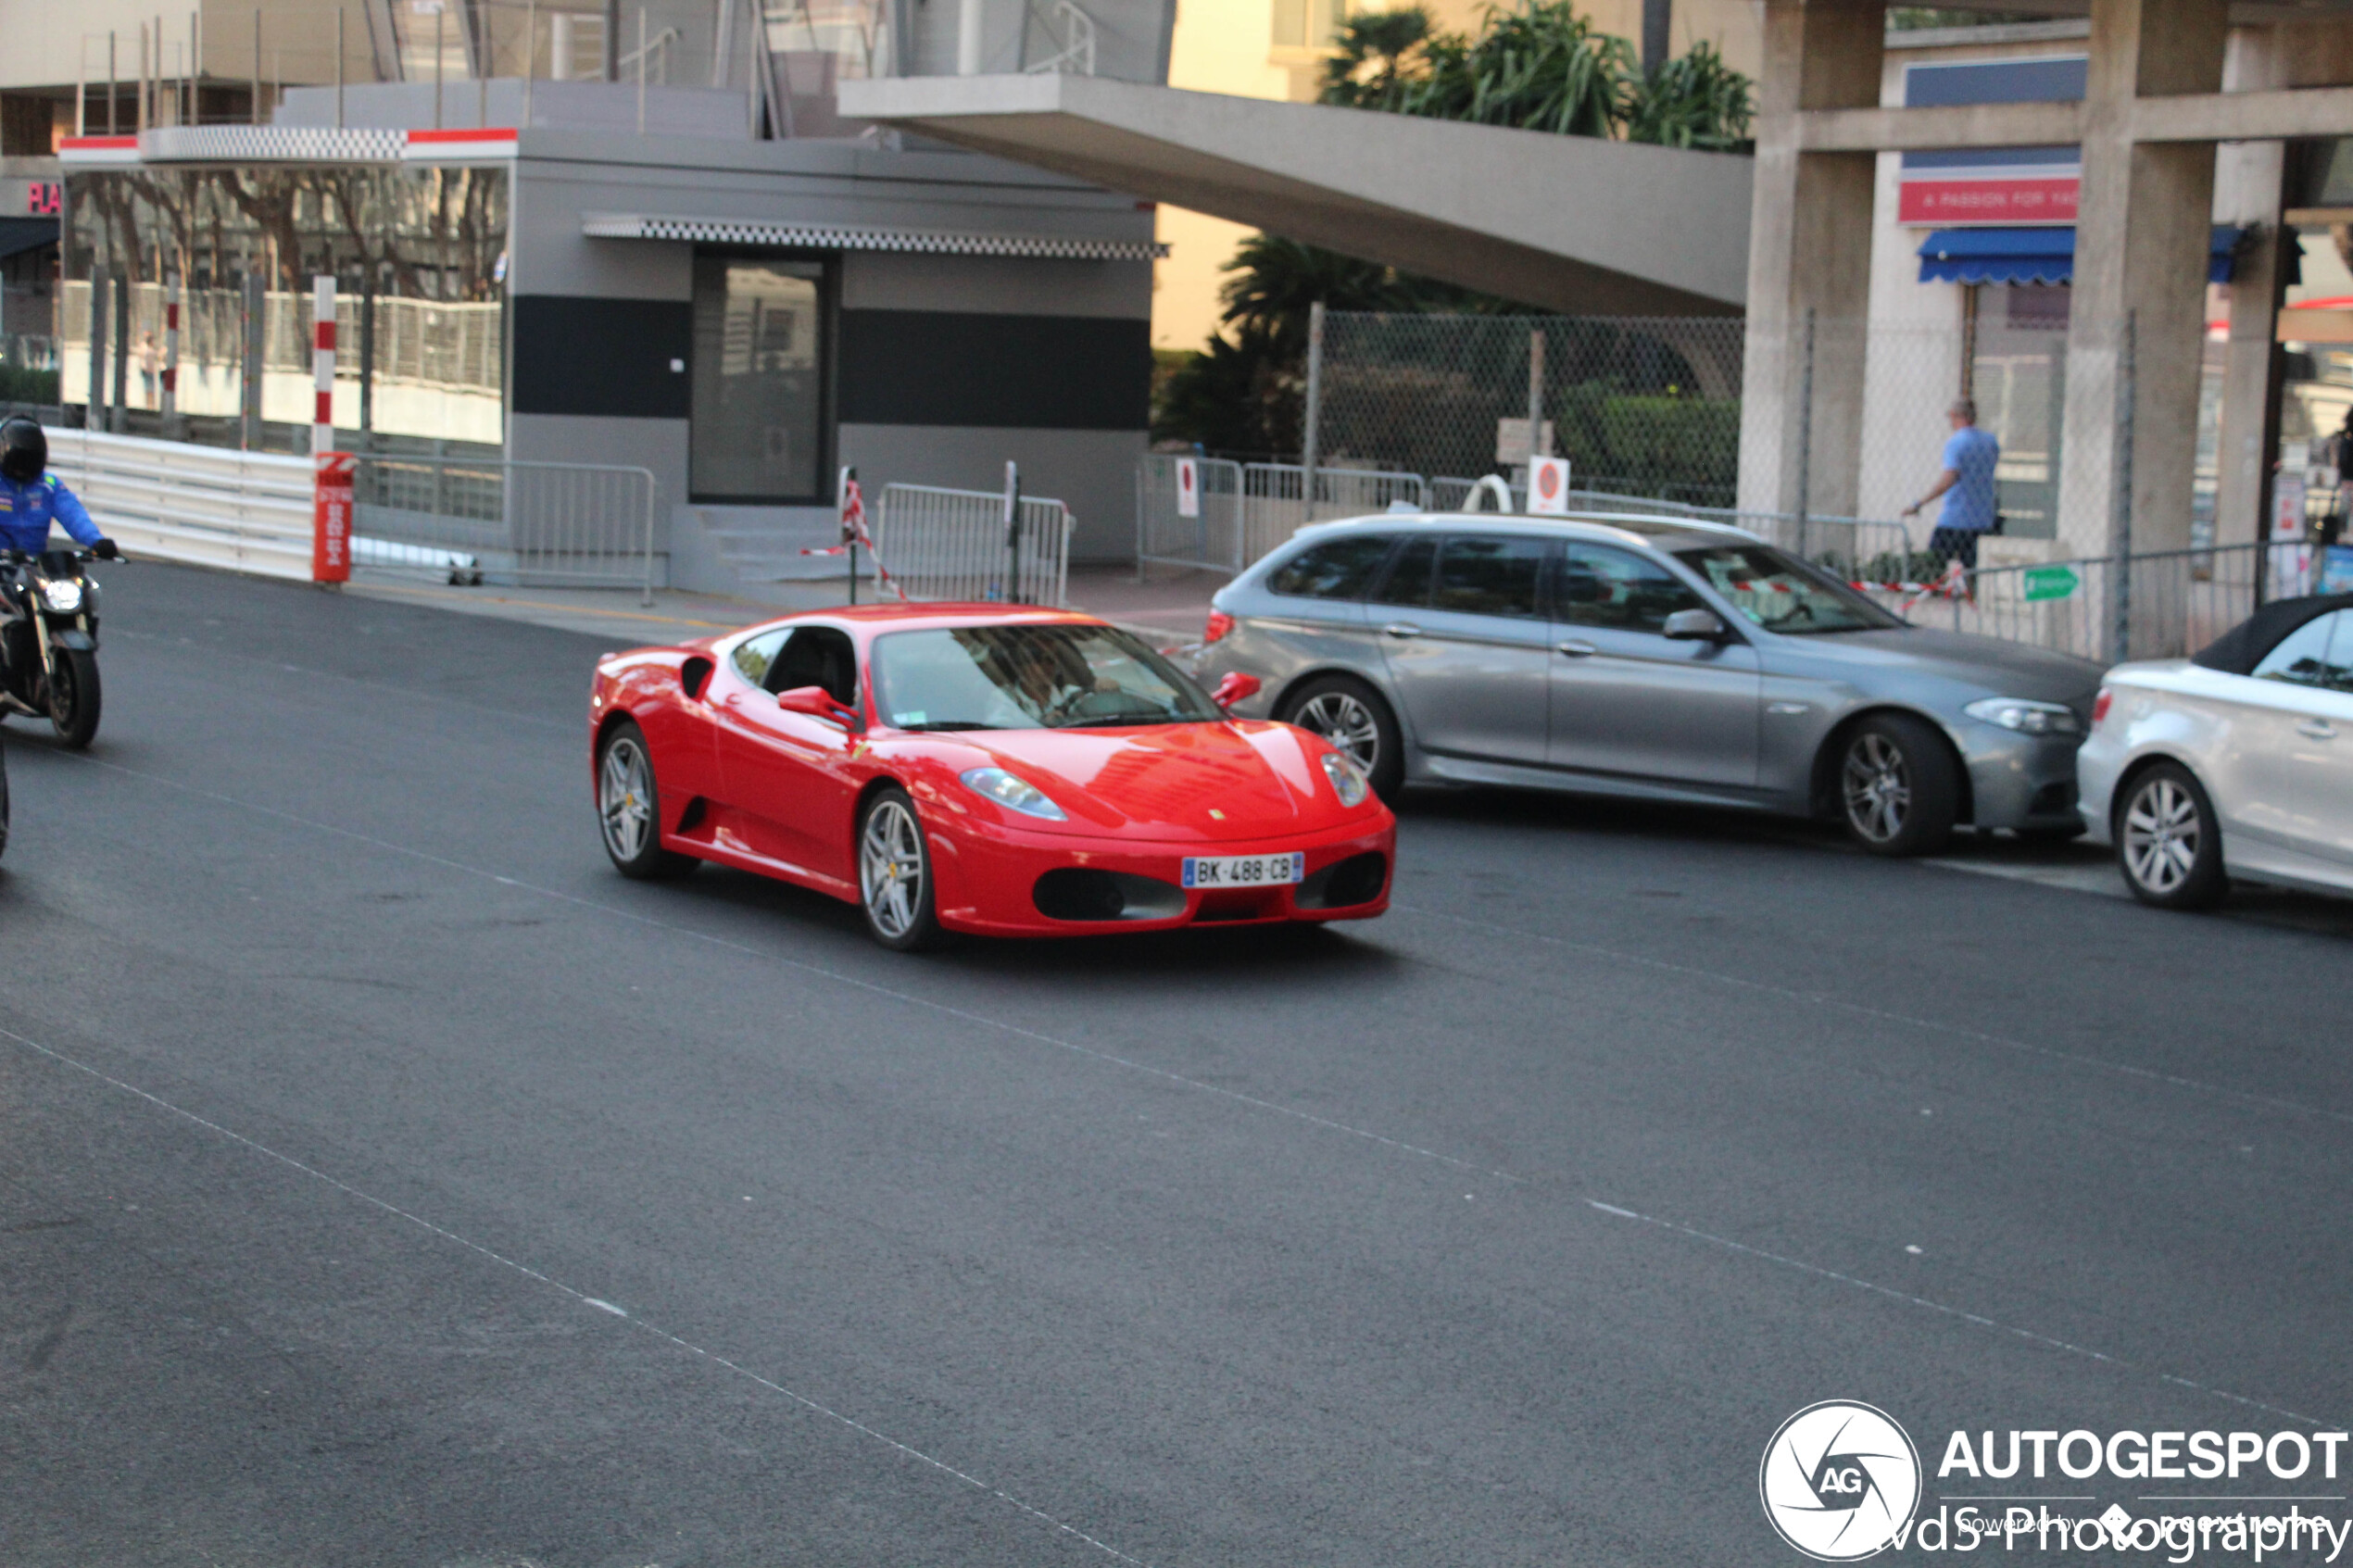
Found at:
[496, 520]
[207, 506]
[954, 544]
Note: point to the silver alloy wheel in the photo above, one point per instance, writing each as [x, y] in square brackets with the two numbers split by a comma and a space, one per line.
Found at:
[890, 869]
[625, 799]
[2161, 835]
[1347, 724]
[1878, 787]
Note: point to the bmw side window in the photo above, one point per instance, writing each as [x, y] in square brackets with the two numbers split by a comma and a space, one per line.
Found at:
[754, 655]
[1408, 580]
[1620, 590]
[1490, 575]
[1341, 569]
[2319, 653]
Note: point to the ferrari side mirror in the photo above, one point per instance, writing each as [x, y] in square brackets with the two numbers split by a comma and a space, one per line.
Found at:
[818, 703]
[1236, 687]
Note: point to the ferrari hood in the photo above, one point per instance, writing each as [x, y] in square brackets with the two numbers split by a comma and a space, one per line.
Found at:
[1235, 780]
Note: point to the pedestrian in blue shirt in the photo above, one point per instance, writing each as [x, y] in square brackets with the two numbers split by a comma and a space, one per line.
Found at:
[31, 497]
[1967, 485]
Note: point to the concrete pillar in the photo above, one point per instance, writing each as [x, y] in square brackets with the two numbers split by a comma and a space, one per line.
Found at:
[1809, 248]
[2142, 234]
[2247, 189]
[2249, 178]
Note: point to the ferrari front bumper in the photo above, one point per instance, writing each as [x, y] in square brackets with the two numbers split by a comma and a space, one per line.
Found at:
[988, 879]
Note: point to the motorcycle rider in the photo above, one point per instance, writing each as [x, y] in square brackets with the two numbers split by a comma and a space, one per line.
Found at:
[31, 499]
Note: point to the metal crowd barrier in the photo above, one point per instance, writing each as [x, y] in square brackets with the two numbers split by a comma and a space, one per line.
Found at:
[1213, 538]
[953, 544]
[494, 520]
[2166, 604]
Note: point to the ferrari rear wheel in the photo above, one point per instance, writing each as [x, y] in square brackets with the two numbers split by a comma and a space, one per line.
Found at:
[629, 808]
[894, 874]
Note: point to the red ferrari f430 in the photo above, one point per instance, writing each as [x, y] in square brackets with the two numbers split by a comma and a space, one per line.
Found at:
[979, 768]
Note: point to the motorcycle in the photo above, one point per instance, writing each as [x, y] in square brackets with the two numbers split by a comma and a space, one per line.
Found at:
[49, 645]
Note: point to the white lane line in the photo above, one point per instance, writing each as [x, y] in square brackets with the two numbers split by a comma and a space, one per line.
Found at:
[1819, 999]
[1927, 1305]
[1020, 1031]
[909, 998]
[580, 1296]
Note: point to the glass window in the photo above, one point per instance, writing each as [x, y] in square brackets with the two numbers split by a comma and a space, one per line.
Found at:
[1341, 570]
[757, 432]
[817, 656]
[2319, 653]
[1408, 580]
[1028, 678]
[1601, 586]
[754, 655]
[1780, 594]
[1490, 575]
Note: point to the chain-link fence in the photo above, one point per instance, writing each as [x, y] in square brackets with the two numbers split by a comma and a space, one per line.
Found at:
[1639, 406]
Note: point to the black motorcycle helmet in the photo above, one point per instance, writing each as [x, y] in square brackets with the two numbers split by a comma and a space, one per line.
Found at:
[24, 449]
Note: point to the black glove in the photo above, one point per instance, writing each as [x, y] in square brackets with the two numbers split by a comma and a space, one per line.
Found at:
[105, 549]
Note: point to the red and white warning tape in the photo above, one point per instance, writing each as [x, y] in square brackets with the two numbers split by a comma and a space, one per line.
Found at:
[853, 533]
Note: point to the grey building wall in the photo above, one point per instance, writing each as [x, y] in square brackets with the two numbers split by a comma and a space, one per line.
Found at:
[945, 366]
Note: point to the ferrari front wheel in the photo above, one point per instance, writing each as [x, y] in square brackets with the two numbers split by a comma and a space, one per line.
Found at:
[629, 808]
[894, 873]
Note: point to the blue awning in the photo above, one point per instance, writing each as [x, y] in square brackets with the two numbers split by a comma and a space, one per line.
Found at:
[2031, 256]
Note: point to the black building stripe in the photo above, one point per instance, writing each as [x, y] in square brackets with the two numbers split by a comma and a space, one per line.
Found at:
[608, 356]
[964, 368]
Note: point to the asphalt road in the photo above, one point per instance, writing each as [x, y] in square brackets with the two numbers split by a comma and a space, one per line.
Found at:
[383, 1180]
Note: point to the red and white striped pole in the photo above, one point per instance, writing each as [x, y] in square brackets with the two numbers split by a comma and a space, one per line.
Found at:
[169, 408]
[322, 361]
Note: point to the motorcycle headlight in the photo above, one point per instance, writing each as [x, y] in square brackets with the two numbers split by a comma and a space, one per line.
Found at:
[1348, 780]
[61, 594]
[2027, 718]
[1011, 792]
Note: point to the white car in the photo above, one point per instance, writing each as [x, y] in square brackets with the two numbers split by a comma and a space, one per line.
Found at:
[2235, 763]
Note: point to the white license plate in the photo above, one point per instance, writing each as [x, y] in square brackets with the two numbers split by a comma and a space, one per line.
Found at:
[1244, 870]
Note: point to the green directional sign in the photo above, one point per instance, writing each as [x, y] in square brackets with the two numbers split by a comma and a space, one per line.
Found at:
[2051, 583]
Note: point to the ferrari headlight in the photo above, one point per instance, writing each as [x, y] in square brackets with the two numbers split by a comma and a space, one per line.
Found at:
[1011, 792]
[1348, 780]
[2027, 718]
[61, 594]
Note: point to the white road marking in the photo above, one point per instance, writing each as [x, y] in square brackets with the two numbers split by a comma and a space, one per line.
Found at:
[580, 1296]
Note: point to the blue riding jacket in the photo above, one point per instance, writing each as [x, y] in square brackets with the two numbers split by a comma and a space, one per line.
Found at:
[27, 510]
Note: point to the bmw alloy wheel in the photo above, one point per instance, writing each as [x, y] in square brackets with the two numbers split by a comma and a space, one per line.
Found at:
[891, 870]
[1878, 787]
[2161, 834]
[1346, 722]
[625, 799]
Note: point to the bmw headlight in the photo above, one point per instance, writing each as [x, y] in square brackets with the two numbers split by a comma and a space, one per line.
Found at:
[1011, 792]
[61, 594]
[1348, 780]
[2027, 718]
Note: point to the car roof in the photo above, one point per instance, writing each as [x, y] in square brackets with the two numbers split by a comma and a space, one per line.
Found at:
[1664, 531]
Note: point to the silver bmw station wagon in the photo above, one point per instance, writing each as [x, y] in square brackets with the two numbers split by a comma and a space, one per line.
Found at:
[1663, 659]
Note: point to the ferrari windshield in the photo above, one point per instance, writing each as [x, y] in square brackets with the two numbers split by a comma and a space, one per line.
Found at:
[1028, 678]
[1781, 593]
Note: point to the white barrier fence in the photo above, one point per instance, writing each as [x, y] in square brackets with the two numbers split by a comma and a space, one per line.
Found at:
[492, 520]
[954, 544]
[1233, 513]
[168, 500]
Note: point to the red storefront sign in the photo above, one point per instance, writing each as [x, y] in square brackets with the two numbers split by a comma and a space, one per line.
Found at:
[1946, 203]
[331, 518]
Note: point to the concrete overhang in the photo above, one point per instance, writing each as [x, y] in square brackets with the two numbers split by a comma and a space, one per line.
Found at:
[1575, 223]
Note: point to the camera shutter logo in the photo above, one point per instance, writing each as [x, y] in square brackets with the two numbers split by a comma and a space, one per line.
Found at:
[1840, 1481]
